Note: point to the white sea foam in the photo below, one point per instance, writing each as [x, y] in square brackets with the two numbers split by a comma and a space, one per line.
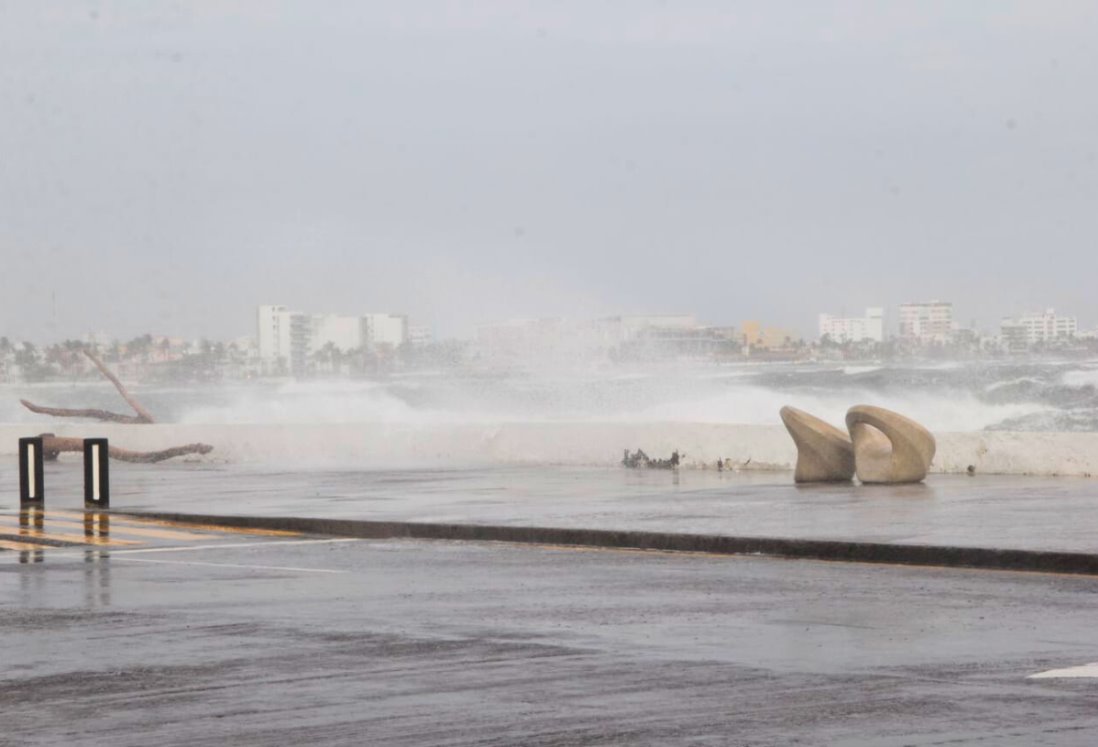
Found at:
[948, 410]
[1080, 377]
[995, 386]
[950, 397]
[649, 401]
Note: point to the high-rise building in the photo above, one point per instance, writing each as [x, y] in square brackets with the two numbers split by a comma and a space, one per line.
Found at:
[1032, 329]
[286, 340]
[926, 322]
[282, 338]
[854, 329]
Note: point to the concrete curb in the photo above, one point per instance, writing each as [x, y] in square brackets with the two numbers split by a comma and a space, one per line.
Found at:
[831, 550]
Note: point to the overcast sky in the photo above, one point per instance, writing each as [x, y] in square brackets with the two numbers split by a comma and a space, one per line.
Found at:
[167, 166]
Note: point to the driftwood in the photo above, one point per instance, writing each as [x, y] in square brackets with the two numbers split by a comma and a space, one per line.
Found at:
[54, 445]
[103, 415]
[143, 416]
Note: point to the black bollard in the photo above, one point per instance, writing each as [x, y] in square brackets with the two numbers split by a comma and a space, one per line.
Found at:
[97, 475]
[32, 491]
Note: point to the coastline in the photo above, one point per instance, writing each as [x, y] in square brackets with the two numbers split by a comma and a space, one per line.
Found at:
[565, 443]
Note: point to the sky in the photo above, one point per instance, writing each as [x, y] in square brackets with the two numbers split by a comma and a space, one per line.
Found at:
[166, 167]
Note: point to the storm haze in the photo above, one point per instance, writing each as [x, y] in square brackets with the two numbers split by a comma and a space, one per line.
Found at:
[168, 167]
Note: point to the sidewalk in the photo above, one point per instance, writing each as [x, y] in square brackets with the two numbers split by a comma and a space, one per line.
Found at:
[1003, 512]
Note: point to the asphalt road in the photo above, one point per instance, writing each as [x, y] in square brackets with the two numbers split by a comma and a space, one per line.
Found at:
[287, 640]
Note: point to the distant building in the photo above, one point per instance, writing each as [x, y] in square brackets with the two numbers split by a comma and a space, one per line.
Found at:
[854, 329]
[385, 329]
[755, 335]
[282, 338]
[341, 331]
[287, 340]
[1039, 328]
[926, 322]
[554, 338]
[522, 338]
[419, 335]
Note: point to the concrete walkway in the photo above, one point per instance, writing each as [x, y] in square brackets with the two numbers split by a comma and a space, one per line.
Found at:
[1005, 512]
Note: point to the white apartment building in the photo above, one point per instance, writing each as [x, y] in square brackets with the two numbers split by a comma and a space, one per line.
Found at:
[286, 340]
[341, 331]
[385, 329]
[854, 329]
[282, 337]
[1038, 328]
[926, 322]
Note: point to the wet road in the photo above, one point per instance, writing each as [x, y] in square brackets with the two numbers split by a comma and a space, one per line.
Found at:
[1025, 513]
[281, 640]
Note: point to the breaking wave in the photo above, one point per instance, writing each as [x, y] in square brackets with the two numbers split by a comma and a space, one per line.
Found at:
[970, 396]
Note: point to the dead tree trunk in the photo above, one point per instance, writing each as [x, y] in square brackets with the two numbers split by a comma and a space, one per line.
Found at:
[54, 445]
[61, 412]
[143, 415]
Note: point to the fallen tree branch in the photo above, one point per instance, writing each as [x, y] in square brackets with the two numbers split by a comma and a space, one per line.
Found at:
[144, 415]
[62, 412]
[54, 445]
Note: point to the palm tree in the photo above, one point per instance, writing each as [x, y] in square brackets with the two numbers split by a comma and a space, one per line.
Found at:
[326, 356]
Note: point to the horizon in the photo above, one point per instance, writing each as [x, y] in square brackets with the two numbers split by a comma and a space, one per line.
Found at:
[989, 329]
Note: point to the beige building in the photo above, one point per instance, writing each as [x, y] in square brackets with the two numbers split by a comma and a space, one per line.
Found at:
[1033, 329]
[926, 322]
[771, 338]
[854, 329]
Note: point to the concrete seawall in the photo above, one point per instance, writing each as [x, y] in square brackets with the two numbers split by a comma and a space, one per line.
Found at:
[566, 443]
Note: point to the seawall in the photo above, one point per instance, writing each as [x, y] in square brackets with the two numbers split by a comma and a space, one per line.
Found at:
[566, 443]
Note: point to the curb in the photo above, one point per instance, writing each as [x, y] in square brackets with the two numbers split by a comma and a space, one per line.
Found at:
[830, 550]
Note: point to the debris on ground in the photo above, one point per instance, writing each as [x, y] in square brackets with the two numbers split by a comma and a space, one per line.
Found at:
[640, 460]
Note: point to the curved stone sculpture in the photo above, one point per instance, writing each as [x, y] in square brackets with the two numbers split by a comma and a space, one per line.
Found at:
[824, 453]
[888, 448]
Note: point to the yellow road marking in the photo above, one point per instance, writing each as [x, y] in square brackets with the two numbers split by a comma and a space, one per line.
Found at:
[13, 545]
[216, 528]
[187, 525]
[113, 528]
[232, 565]
[34, 533]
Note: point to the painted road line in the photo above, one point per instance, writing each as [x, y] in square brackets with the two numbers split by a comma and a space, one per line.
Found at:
[74, 552]
[229, 565]
[19, 546]
[33, 533]
[237, 545]
[217, 528]
[1086, 670]
[184, 525]
[113, 528]
[38, 531]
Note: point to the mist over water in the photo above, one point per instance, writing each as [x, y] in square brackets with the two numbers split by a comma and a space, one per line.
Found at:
[969, 396]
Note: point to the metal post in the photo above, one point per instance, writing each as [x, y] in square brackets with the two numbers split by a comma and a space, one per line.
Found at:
[97, 479]
[32, 491]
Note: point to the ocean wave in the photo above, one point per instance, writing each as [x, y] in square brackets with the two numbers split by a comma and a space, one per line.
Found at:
[993, 395]
[1082, 377]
